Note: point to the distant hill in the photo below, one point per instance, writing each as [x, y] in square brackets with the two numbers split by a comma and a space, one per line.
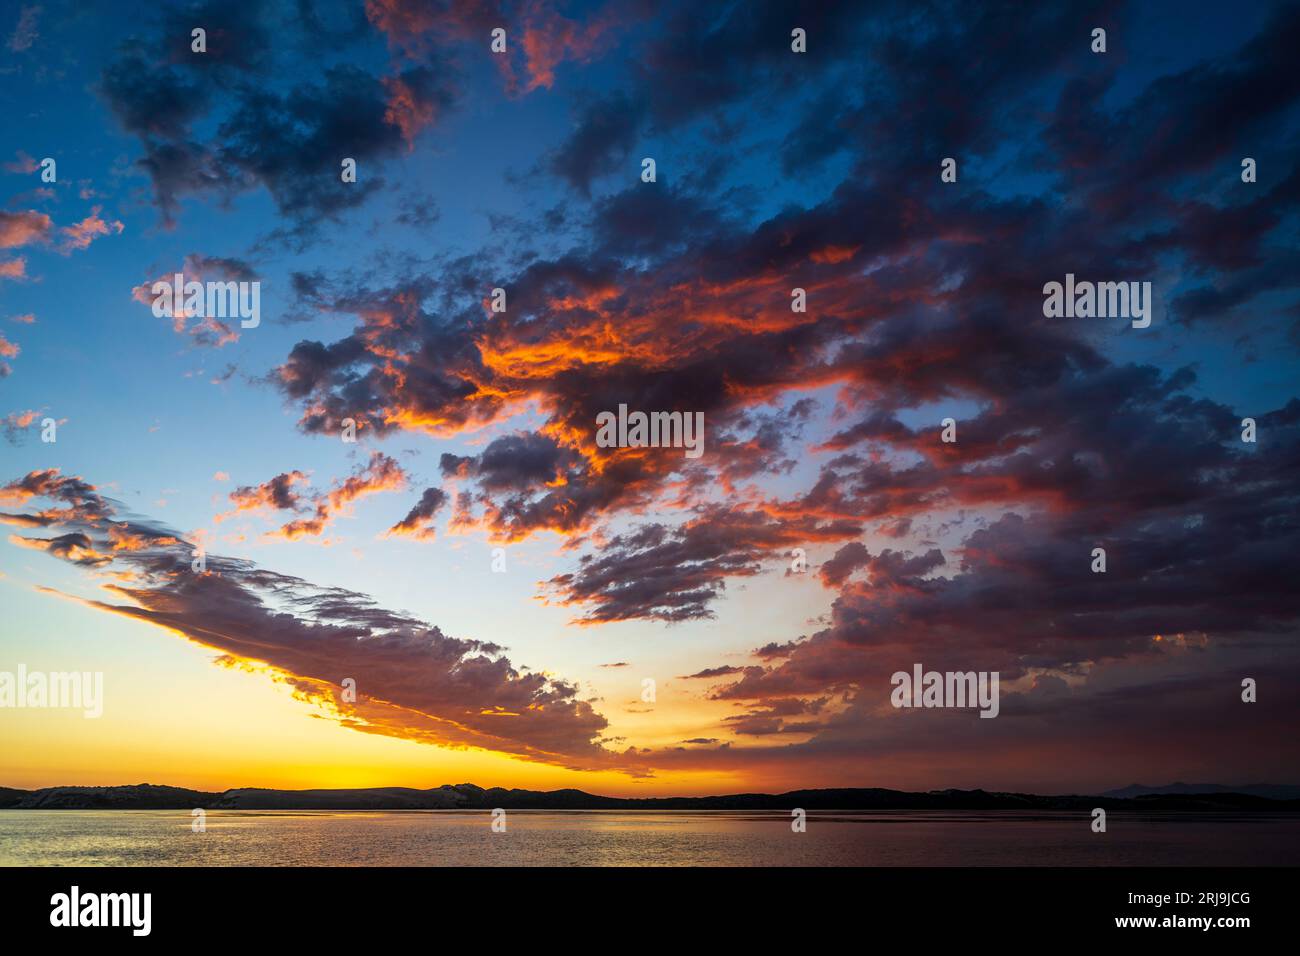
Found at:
[142, 796]
[1273, 791]
[466, 796]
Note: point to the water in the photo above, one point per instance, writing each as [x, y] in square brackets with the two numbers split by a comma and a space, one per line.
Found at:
[620, 838]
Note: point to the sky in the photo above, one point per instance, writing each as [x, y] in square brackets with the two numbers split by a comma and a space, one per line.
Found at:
[514, 602]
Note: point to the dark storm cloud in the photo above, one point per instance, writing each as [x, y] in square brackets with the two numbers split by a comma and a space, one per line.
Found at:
[1155, 717]
[159, 101]
[1196, 540]
[521, 461]
[289, 140]
[238, 38]
[636, 222]
[603, 137]
[1183, 123]
[1194, 127]
[707, 58]
[293, 144]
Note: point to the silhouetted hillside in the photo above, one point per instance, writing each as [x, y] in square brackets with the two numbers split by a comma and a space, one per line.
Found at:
[467, 796]
[1272, 791]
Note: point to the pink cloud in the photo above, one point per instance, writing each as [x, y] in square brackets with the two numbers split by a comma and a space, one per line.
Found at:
[23, 228]
[82, 234]
[14, 269]
[22, 164]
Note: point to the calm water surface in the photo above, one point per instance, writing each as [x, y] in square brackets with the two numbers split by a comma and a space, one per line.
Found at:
[619, 838]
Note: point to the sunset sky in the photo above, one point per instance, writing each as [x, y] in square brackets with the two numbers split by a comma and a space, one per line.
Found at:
[775, 170]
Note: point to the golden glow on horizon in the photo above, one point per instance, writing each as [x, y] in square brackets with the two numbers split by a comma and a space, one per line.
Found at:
[173, 718]
[261, 736]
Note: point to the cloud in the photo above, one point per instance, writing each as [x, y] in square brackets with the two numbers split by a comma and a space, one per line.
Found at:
[75, 548]
[16, 423]
[23, 228]
[539, 37]
[288, 141]
[277, 494]
[822, 427]
[22, 164]
[847, 559]
[381, 473]
[603, 137]
[550, 39]
[25, 31]
[208, 331]
[412, 680]
[81, 234]
[923, 301]
[517, 462]
[675, 574]
[418, 521]
[281, 493]
[7, 350]
[414, 26]
[1193, 579]
[710, 672]
[415, 99]
[83, 505]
